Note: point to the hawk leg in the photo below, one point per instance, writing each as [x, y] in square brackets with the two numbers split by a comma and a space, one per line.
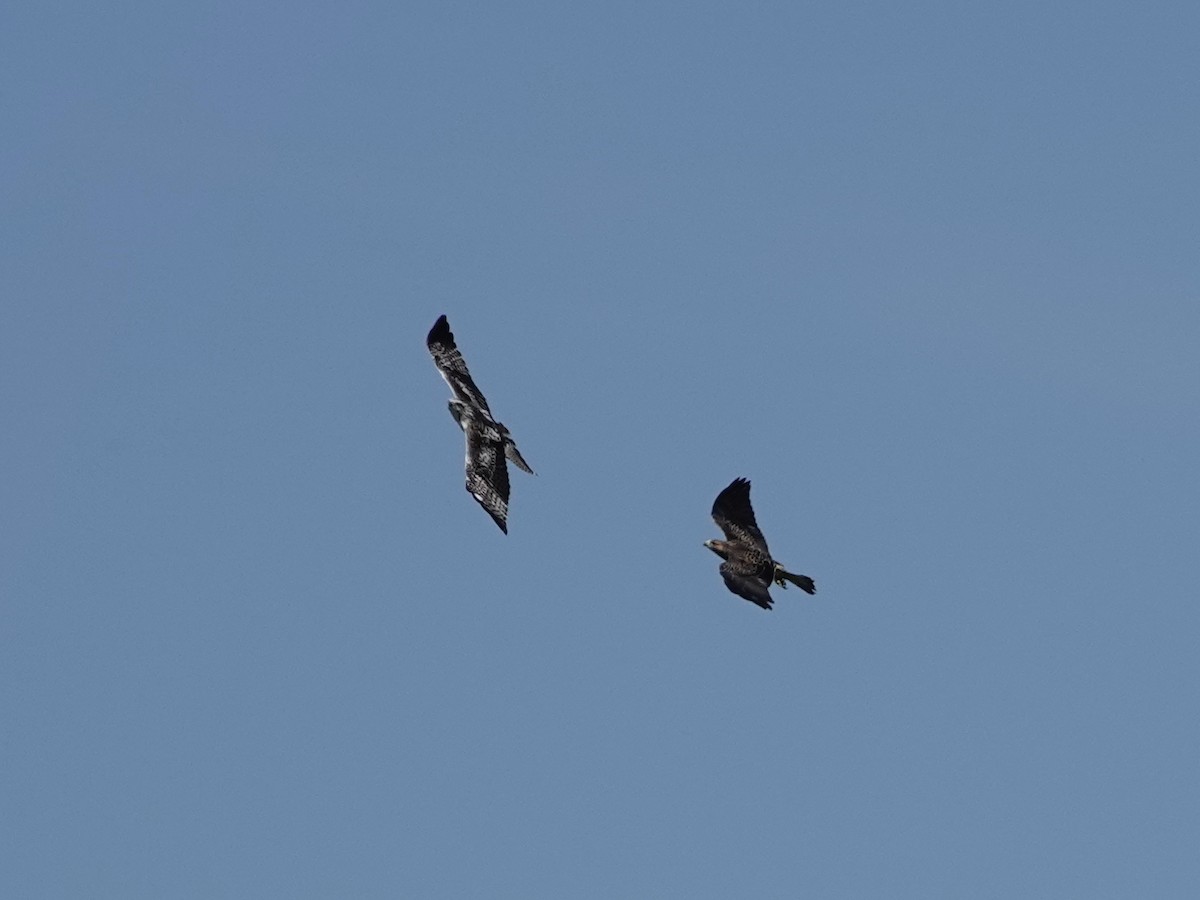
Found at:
[779, 579]
[801, 581]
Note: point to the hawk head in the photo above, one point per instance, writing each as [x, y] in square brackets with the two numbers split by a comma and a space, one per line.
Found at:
[721, 548]
[461, 413]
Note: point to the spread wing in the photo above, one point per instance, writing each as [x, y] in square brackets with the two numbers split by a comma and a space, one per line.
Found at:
[487, 475]
[734, 516]
[452, 365]
[750, 587]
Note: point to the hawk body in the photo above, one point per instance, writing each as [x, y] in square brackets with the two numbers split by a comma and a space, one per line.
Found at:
[489, 443]
[748, 568]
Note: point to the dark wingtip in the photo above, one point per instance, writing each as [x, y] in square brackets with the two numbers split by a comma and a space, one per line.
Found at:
[738, 487]
[440, 332]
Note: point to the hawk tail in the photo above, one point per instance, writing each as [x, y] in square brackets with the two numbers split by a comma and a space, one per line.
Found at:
[803, 582]
[514, 456]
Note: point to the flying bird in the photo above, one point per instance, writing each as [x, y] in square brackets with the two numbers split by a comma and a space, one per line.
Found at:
[488, 441]
[748, 568]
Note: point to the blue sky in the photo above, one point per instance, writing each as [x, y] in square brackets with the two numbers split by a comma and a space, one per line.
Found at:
[927, 274]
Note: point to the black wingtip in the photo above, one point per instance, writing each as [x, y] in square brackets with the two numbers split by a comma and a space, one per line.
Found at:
[500, 523]
[440, 332]
[739, 488]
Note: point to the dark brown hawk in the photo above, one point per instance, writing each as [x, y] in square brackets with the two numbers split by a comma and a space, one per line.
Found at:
[748, 568]
[488, 441]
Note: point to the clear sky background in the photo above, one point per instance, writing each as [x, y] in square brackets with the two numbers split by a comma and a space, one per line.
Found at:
[928, 274]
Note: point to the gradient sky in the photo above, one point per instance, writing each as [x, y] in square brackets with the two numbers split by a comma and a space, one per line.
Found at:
[928, 274]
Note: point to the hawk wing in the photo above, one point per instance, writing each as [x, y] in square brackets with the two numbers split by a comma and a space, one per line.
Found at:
[487, 475]
[749, 587]
[453, 367]
[734, 516]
